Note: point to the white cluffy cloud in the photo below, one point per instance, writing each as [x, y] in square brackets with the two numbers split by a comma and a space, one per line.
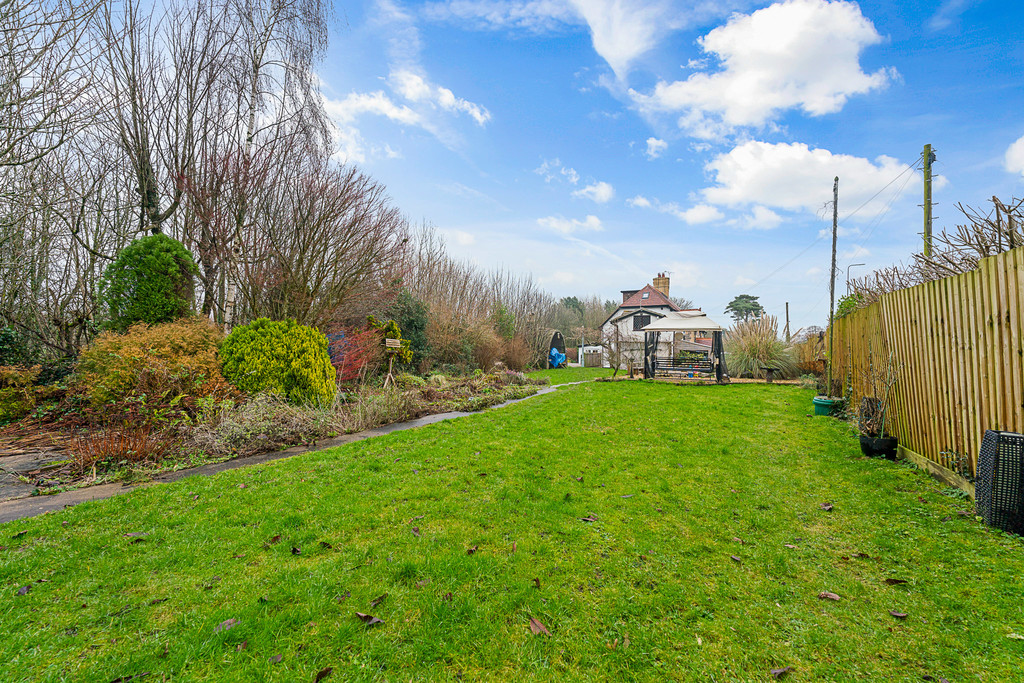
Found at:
[801, 54]
[600, 192]
[414, 101]
[761, 218]
[655, 148]
[552, 169]
[1015, 157]
[621, 31]
[415, 88]
[794, 177]
[639, 201]
[567, 226]
[695, 215]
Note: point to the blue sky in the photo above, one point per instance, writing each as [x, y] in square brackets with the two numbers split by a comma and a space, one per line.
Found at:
[595, 143]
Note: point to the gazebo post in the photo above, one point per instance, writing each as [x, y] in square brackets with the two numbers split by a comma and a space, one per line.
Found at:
[719, 352]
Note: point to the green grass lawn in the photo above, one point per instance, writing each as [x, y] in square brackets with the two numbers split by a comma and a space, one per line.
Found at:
[703, 560]
[567, 375]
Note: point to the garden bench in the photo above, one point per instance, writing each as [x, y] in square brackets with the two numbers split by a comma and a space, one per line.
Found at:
[682, 369]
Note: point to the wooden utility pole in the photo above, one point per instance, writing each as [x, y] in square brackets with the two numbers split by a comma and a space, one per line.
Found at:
[928, 157]
[832, 281]
[787, 322]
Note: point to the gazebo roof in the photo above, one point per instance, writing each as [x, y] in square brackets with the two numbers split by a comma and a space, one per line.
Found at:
[684, 321]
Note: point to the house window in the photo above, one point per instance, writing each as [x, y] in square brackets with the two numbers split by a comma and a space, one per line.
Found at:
[645, 295]
[640, 322]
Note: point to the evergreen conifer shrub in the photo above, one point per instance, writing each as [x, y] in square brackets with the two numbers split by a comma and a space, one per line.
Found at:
[151, 281]
[282, 357]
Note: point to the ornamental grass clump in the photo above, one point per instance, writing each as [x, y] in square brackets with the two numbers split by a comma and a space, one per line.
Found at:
[282, 357]
[754, 344]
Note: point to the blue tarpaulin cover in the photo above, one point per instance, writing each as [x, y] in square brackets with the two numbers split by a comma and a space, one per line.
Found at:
[556, 359]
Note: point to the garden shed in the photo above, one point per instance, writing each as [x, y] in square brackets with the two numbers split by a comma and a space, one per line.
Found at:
[686, 360]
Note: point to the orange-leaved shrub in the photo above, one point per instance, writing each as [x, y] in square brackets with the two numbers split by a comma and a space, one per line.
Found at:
[172, 363]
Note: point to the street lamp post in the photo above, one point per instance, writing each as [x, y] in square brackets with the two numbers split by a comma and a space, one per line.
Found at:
[848, 275]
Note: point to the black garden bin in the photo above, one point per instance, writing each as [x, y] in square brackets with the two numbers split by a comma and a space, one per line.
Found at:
[999, 489]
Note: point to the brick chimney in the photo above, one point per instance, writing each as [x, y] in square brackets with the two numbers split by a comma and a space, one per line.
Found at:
[660, 283]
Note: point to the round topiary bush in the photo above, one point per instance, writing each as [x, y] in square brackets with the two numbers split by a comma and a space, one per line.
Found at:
[280, 356]
[151, 281]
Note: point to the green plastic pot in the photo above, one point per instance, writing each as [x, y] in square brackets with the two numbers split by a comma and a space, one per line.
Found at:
[826, 406]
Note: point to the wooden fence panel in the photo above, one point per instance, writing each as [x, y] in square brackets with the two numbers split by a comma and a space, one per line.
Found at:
[959, 343]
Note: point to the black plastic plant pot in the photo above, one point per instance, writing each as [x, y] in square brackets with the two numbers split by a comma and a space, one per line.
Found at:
[879, 447]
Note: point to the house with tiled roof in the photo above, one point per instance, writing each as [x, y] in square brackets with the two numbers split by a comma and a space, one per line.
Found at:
[622, 332]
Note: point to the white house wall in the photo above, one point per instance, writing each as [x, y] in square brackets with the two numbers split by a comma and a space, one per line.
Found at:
[632, 342]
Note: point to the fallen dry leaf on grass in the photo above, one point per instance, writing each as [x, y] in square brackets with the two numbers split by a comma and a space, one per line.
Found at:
[538, 627]
[470, 551]
[376, 601]
[322, 674]
[895, 582]
[226, 625]
[735, 559]
[416, 531]
[369, 619]
[536, 583]
[827, 507]
[24, 589]
[825, 595]
[779, 673]
[591, 518]
[276, 659]
[898, 615]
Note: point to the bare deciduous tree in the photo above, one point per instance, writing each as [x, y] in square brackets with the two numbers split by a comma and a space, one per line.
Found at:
[957, 251]
[45, 67]
[326, 245]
